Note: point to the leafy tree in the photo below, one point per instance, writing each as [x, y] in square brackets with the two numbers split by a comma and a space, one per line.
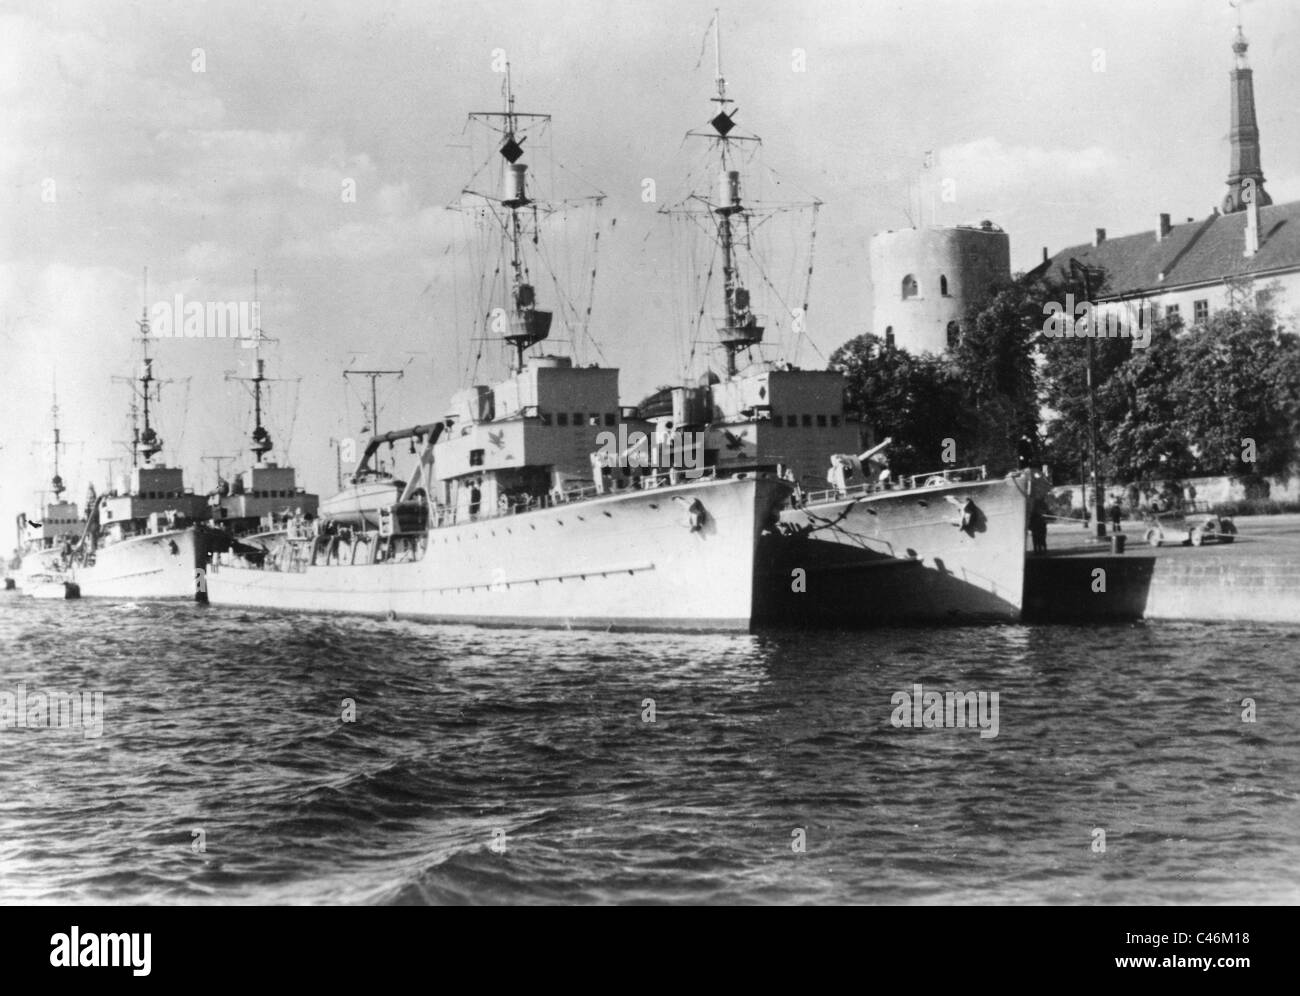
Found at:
[1237, 392]
[1140, 416]
[994, 359]
[1063, 376]
[917, 400]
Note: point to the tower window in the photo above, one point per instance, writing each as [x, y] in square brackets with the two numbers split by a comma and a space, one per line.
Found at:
[889, 335]
[910, 287]
[943, 285]
[954, 335]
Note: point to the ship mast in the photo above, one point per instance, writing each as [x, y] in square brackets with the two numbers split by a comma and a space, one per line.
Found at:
[56, 484]
[527, 324]
[374, 376]
[740, 329]
[261, 437]
[149, 444]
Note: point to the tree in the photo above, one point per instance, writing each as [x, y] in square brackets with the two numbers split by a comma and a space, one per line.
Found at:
[1063, 376]
[1140, 412]
[994, 360]
[916, 400]
[1237, 393]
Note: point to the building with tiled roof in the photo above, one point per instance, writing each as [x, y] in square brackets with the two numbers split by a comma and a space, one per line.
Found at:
[1248, 251]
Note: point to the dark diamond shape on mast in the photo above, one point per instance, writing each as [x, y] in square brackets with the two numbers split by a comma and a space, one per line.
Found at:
[723, 123]
[512, 150]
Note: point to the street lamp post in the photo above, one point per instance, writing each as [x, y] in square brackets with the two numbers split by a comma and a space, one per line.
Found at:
[1099, 512]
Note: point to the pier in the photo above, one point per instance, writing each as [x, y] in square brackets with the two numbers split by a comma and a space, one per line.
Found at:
[1256, 578]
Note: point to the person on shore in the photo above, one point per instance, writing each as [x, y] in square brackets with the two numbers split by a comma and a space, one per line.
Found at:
[1116, 516]
[1038, 527]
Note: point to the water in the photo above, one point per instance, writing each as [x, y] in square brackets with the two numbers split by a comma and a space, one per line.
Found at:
[495, 766]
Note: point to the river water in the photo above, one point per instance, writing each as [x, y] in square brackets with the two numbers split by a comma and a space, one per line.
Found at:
[258, 757]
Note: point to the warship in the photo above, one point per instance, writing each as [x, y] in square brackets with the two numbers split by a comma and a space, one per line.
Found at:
[855, 546]
[147, 537]
[518, 509]
[43, 553]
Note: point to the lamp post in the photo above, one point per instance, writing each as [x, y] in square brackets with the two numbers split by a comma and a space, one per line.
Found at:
[1099, 513]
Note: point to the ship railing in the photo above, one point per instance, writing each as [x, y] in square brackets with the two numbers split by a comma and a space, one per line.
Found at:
[956, 475]
[443, 516]
[914, 482]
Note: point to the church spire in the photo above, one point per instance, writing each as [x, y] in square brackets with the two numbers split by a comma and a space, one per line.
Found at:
[1245, 177]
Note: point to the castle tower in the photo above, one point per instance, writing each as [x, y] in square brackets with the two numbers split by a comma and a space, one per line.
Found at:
[1245, 174]
[925, 279]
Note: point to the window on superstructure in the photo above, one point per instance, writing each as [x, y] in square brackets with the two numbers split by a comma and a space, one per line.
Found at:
[562, 418]
[1200, 311]
[610, 419]
[791, 421]
[807, 421]
[476, 458]
[545, 417]
[835, 421]
[821, 421]
[910, 287]
[943, 285]
[577, 418]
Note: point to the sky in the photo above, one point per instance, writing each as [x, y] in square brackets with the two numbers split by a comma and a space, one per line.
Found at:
[205, 139]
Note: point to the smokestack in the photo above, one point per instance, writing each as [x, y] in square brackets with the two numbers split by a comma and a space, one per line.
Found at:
[1252, 227]
[1163, 229]
[1099, 236]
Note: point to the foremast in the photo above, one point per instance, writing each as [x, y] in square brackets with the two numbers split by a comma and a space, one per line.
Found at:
[527, 324]
[740, 328]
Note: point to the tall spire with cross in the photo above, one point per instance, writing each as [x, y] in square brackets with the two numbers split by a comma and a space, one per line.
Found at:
[1245, 175]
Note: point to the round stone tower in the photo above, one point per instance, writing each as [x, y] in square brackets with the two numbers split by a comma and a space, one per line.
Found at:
[924, 280]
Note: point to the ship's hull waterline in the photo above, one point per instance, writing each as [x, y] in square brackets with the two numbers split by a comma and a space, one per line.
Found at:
[642, 559]
[163, 565]
[900, 557]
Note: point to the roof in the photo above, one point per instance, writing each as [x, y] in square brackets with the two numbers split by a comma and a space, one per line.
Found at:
[1196, 252]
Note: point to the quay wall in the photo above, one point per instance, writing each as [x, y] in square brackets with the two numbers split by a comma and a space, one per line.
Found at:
[1250, 586]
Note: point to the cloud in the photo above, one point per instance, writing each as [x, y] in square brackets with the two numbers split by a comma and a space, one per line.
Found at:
[985, 172]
